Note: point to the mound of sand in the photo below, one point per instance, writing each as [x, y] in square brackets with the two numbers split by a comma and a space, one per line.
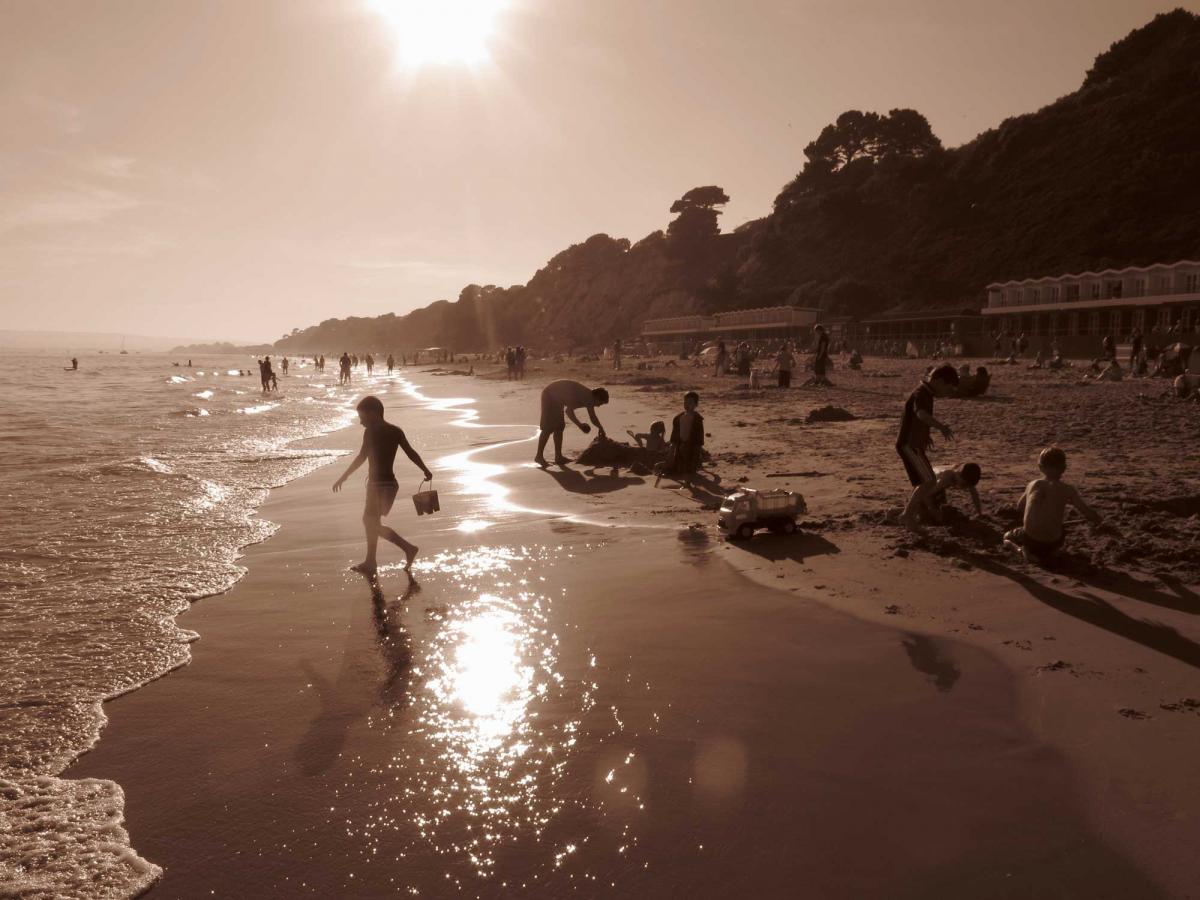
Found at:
[603, 451]
[829, 414]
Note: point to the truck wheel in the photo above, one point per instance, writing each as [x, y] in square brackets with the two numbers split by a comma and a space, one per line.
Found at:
[745, 531]
[789, 527]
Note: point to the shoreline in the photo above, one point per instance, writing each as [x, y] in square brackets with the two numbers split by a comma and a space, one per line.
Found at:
[919, 654]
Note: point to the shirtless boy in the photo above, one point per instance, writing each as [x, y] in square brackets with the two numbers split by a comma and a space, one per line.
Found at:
[561, 397]
[1043, 509]
[380, 441]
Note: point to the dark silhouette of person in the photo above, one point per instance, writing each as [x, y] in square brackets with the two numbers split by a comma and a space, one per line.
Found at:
[560, 399]
[381, 439]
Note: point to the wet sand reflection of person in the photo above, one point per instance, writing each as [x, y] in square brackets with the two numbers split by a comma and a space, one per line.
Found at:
[395, 643]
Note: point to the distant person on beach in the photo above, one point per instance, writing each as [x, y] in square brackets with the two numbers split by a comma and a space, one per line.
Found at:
[913, 441]
[820, 358]
[687, 440]
[1135, 347]
[522, 355]
[1108, 349]
[391, 363]
[266, 372]
[616, 351]
[274, 382]
[283, 365]
[75, 364]
[370, 361]
[381, 439]
[929, 496]
[784, 361]
[1043, 509]
[560, 399]
[344, 368]
[510, 362]
[1111, 372]
[855, 359]
[722, 364]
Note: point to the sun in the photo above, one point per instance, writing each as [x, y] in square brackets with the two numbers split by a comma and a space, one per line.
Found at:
[440, 32]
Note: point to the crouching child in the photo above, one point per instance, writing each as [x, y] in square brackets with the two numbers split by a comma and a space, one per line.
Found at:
[929, 497]
[1043, 510]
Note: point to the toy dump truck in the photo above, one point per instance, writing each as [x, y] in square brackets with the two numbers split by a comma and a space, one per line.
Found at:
[748, 510]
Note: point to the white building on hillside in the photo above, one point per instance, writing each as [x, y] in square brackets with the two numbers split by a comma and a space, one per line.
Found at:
[1165, 296]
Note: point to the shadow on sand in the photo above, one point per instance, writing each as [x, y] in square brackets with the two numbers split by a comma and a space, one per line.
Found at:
[797, 547]
[1088, 607]
[590, 482]
[344, 699]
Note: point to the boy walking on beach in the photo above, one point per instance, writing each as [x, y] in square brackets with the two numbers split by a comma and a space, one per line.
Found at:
[913, 440]
[1043, 509]
[380, 442]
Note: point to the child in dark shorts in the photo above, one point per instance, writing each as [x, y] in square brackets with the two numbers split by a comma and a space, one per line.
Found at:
[913, 440]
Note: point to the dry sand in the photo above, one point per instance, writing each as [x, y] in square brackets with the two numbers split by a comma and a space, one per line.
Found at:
[586, 696]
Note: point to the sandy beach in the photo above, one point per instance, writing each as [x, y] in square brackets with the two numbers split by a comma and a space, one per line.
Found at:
[588, 693]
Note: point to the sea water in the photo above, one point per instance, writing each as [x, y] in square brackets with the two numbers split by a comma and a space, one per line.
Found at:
[128, 489]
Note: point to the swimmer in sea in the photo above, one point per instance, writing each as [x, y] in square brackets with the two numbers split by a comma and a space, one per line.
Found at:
[381, 439]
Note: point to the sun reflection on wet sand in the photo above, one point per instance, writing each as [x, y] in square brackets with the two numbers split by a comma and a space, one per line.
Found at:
[492, 722]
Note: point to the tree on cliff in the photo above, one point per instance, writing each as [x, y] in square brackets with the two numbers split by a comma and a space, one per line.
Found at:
[860, 136]
[696, 212]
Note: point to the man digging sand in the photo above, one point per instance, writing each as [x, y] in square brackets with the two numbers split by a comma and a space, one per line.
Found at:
[560, 399]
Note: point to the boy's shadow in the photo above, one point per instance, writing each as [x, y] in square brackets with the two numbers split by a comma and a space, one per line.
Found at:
[589, 482]
[707, 490]
[343, 700]
[1088, 607]
[395, 644]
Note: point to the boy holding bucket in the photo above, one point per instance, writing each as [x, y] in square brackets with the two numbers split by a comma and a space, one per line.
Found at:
[380, 442]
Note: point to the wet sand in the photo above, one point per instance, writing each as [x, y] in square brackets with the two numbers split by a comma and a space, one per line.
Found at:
[586, 697]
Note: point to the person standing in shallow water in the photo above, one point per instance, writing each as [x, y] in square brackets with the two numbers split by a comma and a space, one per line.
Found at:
[381, 439]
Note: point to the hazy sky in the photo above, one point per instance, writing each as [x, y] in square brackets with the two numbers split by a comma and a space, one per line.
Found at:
[237, 169]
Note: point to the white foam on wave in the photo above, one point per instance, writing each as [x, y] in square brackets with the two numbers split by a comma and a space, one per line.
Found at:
[156, 465]
[203, 395]
[178, 379]
[257, 410]
[42, 815]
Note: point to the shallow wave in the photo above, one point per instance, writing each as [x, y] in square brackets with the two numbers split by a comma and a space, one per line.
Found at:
[129, 511]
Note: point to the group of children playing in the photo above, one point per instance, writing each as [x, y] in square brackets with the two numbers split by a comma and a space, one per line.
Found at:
[1042, 508]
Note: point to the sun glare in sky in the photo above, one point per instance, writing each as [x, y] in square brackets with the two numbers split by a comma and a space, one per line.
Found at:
[440, 32]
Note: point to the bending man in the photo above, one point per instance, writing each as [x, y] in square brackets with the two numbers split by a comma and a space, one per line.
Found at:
[560, 399]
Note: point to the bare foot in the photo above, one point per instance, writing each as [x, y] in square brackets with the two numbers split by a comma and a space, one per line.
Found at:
[364, 568]
[561, 461]
[541, 461]
[408, 561]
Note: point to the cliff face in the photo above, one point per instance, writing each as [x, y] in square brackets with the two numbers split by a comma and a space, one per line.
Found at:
[1106, 176]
